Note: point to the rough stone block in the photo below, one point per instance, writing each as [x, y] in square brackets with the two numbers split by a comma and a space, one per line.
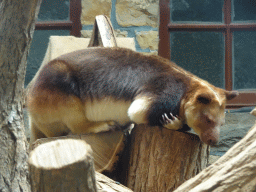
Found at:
[90, 9]
[137, 12]
[86, 33]
[118, 33]
[148, 39]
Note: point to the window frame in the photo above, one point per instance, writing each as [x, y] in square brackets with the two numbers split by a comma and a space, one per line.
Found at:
[246, 97]
[73, 24]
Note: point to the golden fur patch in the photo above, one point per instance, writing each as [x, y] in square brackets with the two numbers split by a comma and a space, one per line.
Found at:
[107, 108]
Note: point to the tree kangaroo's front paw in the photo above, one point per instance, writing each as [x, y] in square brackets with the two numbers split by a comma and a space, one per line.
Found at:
[173, 123]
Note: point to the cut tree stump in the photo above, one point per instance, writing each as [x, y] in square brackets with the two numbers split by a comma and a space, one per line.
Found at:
[162, 159]
[67, 165]
[106, 147]
[62, 165]
[233, 172]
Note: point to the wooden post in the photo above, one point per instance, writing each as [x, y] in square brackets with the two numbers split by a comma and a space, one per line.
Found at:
[162, 159]
[62, 165]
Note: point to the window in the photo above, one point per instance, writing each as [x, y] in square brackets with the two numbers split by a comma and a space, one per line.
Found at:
[215, 40]
[58, 17]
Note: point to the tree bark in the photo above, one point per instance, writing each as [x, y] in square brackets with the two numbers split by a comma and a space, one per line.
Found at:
[17, 21]
[162, 159]
[233, 172]
[62, 165]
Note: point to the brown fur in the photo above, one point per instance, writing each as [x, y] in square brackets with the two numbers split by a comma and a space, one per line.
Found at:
[92, 90]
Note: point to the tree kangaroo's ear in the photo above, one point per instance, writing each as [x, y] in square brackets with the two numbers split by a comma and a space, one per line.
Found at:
[231, 94]
[204, 98]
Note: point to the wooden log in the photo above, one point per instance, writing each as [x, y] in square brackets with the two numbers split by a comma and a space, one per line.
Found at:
[105, 184]
[233, 172]
[103, 33]
[105, 145]
[62, 165]
[253, 112]
[162, 159]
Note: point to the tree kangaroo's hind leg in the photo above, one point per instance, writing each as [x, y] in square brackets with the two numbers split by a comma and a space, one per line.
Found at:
[35, 133]
[73, 116]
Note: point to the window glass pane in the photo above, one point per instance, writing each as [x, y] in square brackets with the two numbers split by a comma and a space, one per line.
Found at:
[38, 49]
[198, 11]
[54, 10]
[201, 53]
[244, 60]
[244, 10]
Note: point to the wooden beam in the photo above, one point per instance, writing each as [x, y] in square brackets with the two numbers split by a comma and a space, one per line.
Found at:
[234, 171]
[75, 17]
[54, 25]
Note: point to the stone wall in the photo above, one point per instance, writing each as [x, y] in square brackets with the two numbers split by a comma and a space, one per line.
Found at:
[130, 18]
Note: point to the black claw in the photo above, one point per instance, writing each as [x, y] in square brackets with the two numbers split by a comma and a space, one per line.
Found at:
[173, 117]
[165, 119]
